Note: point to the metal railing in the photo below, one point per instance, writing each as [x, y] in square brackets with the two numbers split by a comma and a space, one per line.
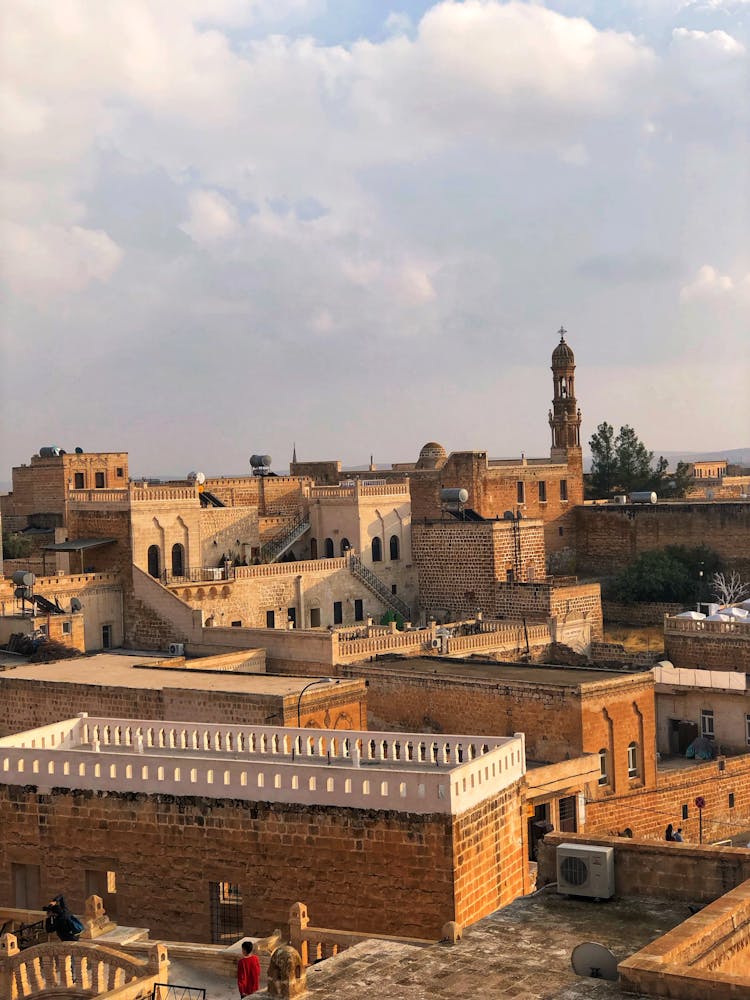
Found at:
[277, 546]
[166, 991]
[377, 586]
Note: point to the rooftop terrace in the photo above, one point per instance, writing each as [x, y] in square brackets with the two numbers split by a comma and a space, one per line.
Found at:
[407, 772]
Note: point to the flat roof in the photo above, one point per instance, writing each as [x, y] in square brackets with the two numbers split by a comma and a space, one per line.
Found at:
[520, 951]
[79, 544]
[510, 672]
[117, 670]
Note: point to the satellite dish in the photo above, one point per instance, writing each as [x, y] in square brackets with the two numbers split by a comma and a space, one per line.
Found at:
[594, 960]
[200, 478]
[75, 604]
[192, 477]
[79, 451]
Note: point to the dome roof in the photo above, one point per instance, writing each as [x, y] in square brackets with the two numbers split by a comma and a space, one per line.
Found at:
[562, 354]
[431, 456]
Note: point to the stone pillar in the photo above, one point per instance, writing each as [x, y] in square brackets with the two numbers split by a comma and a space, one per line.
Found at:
[298, 921]
[8, 948]
[286, 976]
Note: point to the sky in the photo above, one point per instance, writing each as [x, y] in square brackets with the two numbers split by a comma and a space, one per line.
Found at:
[229, 226]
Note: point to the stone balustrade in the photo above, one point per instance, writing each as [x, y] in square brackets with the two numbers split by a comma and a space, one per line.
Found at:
[316, 943]
[701, 627]
[397, 489]
[408, 772]
[285, 569]
[133, 493]
[71, 968]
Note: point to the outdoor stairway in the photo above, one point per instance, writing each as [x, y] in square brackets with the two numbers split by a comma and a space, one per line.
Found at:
[276, 548]
[379, 589]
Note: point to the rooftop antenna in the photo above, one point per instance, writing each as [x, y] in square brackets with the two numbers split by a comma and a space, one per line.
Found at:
[294, 453]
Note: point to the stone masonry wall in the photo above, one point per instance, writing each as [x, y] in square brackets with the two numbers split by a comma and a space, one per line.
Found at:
[648, 613]
[490, 856]
[165, 852]
[670, 871]
[26, 704]
[711, 651]
[609, 537]
[272, 495]
[646, 811]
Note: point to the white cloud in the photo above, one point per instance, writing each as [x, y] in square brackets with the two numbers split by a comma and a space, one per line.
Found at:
[47, 261]
[711, 44]
[212, 218]
[707, 284]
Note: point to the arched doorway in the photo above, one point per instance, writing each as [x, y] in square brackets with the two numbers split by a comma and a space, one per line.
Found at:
[345, 546]
[313, 548]
[377, 550]
[154, 561]
[178, 560]
[328, 548]
[394, 548]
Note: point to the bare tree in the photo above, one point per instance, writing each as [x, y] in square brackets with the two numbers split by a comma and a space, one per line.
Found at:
[729, 588]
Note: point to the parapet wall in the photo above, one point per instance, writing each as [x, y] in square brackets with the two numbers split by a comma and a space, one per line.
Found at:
[710, 645]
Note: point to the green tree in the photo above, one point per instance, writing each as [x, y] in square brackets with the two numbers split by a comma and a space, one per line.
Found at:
[633, 461]
[16, 546]
[676, 574]
[603, 460]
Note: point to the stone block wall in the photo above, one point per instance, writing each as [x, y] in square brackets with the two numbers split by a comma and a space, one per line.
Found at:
[708, 650]
[647, 613]
[696, 874]
[609, 537]
[647, 811]
[166, 850]
[272, 495]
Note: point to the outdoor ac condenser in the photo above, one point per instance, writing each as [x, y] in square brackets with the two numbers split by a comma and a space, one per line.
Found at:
[585, 870]
[176, 649]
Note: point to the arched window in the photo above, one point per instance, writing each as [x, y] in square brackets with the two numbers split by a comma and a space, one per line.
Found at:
[394, 548]
[178, 560]
[604, 766]
[328, 545]
[345, 546]
[632, 760]
[313, 548]
[154, 561]
[377, 550]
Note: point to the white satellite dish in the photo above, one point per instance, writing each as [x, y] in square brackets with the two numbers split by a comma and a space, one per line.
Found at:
[594, 960]
[200, 478]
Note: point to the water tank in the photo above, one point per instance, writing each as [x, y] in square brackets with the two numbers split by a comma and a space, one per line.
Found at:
[454, 495]
[79, 450]
[50, 451]
[644, 496]
[620, 499]
[22, 578]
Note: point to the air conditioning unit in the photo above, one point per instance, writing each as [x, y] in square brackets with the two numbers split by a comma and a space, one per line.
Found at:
[586, 870]
[436, 644]
[176, 649]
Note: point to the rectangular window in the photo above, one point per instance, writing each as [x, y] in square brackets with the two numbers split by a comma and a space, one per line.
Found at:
[542, 492]
[99, 480]
[314, 617]
[509, 576]
[685, 812]
[26, 886]
[747, 729]
[707, 723]
[270, 619]
[394, 588]
[633, 761]
[563, 489]
[568, 816]
[226, 912]
[66, 628]
[603, 776]
[359, 610]
[338, 613]
[520, 492]
[78, 480]
[120, 472]
[291, 617]
[237, 624]
[731, 800]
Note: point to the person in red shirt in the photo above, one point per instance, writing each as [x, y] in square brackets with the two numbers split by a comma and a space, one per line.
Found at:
[248, 971]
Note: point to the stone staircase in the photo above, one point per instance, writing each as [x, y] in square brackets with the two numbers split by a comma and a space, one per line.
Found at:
[378, 588]
[276, 548]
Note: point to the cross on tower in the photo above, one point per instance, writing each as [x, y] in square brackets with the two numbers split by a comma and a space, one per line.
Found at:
[562, 331]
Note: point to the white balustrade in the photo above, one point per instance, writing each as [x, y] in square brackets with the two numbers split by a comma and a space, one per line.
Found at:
[404, 771]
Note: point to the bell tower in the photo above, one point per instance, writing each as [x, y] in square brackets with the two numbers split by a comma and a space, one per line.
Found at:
[564, 417]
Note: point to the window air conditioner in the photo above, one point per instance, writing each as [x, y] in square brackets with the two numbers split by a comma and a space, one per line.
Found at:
[176, 649]
[436, 644]
[585, 870]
